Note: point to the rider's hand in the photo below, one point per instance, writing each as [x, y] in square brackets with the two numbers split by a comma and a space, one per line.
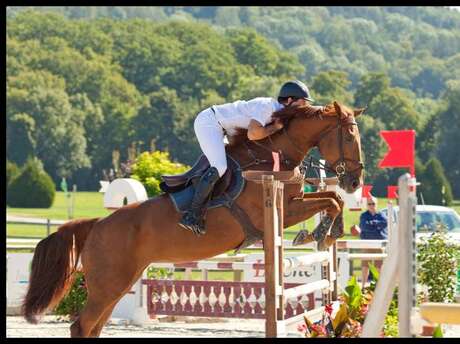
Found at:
[355, 230]
[278, 124]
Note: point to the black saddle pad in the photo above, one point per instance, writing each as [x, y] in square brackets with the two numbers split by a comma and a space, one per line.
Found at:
[231, 186]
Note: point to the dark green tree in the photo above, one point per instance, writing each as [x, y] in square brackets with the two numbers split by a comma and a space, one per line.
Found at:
[51, 130]
[449, 125]
[394, 108]
[331, 85]
[12, 171]
[20, 128]
[434, 186]
[369, 87]
[372, 145]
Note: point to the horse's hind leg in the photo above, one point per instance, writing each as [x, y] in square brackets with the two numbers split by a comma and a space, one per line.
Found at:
[96, 313]
[96, 331]
[105, 287]
[88, 317]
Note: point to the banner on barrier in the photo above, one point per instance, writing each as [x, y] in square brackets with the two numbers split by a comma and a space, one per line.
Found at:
[302, 275]
[17, 277]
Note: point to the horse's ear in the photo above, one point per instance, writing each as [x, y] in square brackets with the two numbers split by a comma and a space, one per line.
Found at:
[359, 112]
[339, 110]
[337, 107]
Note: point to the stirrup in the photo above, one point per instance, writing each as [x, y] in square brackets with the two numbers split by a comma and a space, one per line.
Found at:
[191, 223]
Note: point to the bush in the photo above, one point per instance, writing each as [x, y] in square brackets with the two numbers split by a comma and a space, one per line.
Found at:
[32, 188]
[75, 300]
[437, 259]
[149, 167]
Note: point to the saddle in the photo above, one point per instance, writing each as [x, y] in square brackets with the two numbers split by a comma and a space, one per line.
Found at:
[181, 188]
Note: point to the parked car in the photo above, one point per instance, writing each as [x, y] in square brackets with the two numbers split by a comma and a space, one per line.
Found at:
[430, 217]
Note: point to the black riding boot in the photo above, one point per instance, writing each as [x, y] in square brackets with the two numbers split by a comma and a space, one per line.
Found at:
[193, 218]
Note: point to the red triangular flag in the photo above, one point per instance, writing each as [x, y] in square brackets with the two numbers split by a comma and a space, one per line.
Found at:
[392, 191]
[401, 145]
[366, 191]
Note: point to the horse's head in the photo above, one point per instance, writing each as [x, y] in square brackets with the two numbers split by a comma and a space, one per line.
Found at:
[334, 131]
[340, 145]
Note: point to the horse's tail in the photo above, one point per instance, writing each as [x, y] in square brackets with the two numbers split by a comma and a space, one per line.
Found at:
[53, 266]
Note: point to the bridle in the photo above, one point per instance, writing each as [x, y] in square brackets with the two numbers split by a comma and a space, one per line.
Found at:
[339, 166]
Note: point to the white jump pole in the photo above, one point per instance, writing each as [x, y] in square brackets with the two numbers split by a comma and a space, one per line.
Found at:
[407, 272]
[398, 267]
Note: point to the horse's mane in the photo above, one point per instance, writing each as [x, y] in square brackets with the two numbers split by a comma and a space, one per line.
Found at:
[285, 115]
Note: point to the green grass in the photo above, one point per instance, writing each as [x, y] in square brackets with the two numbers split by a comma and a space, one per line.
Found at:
[27, 231]
[90, 204]
[87, 205]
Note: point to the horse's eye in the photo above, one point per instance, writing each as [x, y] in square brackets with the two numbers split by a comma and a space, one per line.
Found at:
[349, 138]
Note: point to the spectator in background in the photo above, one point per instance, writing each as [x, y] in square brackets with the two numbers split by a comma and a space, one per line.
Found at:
[372, 226]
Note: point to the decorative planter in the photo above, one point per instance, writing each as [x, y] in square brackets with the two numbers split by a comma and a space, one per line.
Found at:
[428, 330]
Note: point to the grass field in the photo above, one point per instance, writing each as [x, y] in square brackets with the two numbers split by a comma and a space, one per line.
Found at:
[90, 204]
[87, 205]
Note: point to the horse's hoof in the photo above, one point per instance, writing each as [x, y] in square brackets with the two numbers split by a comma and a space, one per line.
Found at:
[302, 238]
[321, 231]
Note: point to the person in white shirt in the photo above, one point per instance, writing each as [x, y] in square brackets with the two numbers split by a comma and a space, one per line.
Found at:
[255, 115]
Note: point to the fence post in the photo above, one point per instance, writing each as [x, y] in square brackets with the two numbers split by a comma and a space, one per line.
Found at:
[406, 235]
[274, 307]
[48, 227]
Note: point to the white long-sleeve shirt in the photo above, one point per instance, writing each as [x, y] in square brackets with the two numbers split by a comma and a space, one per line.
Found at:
[239, 113]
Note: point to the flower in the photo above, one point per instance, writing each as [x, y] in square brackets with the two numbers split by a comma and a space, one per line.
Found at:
[302, 328]
[364, 309]
[319, 329]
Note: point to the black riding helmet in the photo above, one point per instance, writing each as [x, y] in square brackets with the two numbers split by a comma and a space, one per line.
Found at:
[296, 89]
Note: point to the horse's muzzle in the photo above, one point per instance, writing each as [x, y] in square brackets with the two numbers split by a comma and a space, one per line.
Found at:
[349, 183]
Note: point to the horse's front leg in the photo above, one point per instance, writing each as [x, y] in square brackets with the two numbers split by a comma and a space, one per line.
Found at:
[301, 209]
[337, 226]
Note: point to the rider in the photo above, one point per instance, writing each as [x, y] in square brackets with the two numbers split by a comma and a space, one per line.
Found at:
[212, 123]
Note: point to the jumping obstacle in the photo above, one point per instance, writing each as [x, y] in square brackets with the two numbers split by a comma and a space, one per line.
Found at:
[400, 267]
[267, 300]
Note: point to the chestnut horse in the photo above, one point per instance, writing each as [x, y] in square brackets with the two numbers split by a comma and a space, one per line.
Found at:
[115, 250]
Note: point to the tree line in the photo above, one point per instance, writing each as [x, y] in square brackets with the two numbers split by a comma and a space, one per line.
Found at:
[80, 91]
